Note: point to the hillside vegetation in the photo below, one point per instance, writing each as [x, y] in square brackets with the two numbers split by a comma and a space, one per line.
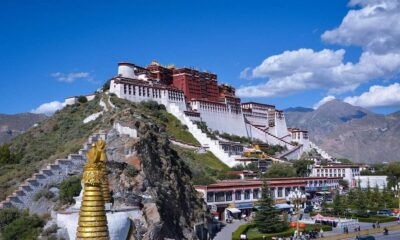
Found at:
[53, 138]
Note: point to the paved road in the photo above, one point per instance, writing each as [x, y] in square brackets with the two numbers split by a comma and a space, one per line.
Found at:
[226, 232]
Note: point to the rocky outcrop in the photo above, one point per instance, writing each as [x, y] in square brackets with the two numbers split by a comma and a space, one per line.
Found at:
[146, 172]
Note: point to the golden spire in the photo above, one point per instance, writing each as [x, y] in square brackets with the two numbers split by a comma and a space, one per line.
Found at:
[92, 216]
[101, 145]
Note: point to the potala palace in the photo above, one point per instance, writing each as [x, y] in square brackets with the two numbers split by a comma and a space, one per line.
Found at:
[195, 96]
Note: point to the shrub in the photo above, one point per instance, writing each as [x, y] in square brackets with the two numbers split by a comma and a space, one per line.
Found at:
[50, 230]
[241, 229]
[70, 188]
[23, 228]
[82, 99]
[43, 193]
[106, 86]
[6, 156]
[7, 215]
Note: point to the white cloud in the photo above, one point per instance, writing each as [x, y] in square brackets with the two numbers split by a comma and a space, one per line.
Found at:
[71, 77]
[375, 26]
[323, 101]
[302, 69]
[377, 96]
[48, 108]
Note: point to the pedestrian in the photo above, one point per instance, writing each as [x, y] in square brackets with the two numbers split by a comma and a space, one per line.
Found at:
[378, 225]
[373, 225]
[359, 228]
[321, 233]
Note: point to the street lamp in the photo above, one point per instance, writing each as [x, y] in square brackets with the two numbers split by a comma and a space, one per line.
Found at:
[396, 190]
[296, 197]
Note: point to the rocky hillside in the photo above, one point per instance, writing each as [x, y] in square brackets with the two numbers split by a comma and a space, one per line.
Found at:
[145, 170]
[347, 131]
[15, 124]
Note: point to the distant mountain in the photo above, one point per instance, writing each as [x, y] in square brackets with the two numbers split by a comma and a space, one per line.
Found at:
[298, 109]
[15, 124]
[347, 131]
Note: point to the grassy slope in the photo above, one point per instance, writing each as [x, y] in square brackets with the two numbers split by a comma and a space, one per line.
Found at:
[206, 168]
[54, 138]
[173, 126]
[176, 130]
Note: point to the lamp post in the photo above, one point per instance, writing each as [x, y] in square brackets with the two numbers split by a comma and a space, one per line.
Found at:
[396, 190]
[296, 197]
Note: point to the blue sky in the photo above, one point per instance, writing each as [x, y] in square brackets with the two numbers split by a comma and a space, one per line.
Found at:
[53, 49]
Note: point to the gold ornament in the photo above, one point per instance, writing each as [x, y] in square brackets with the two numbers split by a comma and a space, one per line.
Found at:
[92, 215]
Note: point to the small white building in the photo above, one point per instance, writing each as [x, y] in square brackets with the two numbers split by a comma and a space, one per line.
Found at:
[372, 181]
[347, 172]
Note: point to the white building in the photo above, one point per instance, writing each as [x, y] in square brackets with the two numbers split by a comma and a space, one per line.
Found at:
[347, 172]
[372, 181]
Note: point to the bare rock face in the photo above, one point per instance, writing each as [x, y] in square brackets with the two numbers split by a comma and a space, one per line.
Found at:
[148, 174]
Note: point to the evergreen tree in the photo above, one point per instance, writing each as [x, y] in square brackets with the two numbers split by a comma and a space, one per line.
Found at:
[360, 202]
[337, 204]
[267, 217]
[376, 199]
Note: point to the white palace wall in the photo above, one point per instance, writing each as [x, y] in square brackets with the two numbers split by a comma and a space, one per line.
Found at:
[219, 118]
[161, 96]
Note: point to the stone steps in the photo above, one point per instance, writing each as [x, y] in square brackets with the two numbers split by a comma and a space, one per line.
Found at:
[52, 173]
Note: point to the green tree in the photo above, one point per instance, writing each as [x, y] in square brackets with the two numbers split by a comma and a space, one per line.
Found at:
[6, 156]
[361, 202]
[345, 161]
[267, 217]
[344, 183]
[392, 170]
[25, 227]
[376, 199]
[7, 215]
[302, 167]
[82, 99]
[337, 204]
[280, 170]
[70, 188]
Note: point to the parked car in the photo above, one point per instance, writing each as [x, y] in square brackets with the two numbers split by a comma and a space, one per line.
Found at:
[385, 212]
[367, 237]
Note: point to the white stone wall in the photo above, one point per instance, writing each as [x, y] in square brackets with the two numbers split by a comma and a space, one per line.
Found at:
[212, 145]
[373, 181]
[161, 96]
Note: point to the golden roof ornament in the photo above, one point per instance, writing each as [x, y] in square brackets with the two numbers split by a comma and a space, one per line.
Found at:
[92, 216]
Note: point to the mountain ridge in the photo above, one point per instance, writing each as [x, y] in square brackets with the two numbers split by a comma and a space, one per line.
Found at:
[347, 131]
[11, 125]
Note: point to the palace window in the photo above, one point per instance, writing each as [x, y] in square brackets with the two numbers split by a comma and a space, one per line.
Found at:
[246, 194]
[220, 196]
[238, 195]
[124, 88]
[228, 196]
[255, 193]
[280, 192]
[210, 197]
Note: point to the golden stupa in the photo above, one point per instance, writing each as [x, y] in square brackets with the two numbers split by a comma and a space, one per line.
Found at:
[101, 145]
[92, 216]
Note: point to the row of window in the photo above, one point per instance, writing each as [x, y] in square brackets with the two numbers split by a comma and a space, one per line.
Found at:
[246, 194]
[150, 92]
